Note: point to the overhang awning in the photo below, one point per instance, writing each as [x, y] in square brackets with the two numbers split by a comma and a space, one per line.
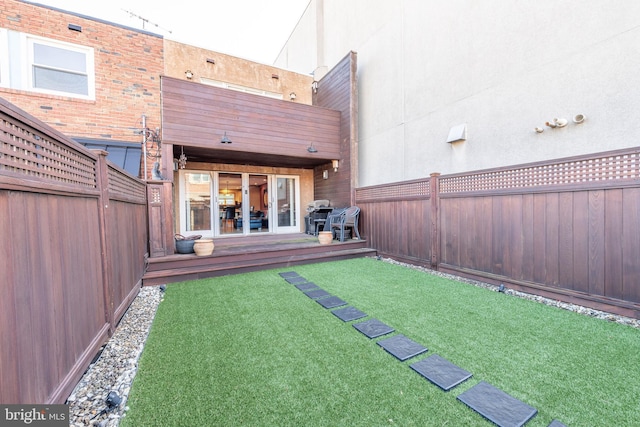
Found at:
[263, 131]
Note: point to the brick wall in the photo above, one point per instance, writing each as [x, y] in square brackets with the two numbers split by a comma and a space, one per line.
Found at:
[128, 65]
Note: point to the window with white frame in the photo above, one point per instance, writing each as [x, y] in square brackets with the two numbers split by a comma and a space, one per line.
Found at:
[59, 68]
[239, 88]
[4, 59]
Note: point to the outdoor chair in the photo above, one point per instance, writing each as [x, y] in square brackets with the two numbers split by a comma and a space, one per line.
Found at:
[348, 218]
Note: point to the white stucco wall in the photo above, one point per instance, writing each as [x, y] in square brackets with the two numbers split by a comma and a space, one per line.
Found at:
[502, 67]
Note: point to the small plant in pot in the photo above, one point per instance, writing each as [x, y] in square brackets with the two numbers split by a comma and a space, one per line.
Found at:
[184, 244]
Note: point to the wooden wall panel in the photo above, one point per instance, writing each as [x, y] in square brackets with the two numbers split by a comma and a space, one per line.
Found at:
[528, 236]
[580, 241]
[551, 239]
[338, 91]
[565, 240]
[631, 244]
[596, 242]
[613, 256]
[197, 115]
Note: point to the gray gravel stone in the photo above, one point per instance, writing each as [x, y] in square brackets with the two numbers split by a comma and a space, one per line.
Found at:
[116, 367]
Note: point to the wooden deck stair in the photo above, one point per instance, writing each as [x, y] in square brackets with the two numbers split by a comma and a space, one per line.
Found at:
[240, 255]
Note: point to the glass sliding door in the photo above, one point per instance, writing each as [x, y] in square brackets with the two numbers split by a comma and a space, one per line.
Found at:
[258, 201]
[196, 203]
[230, 203]
[225, 203]
[286, 202]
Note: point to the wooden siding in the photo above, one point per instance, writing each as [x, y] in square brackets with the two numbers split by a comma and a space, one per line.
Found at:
[338, 91]
[566, 229]
[72, 256]
[197, 116]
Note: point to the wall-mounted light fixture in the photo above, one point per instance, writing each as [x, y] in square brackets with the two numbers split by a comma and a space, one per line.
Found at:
[211, 61]
[292, 96]
[312, 149]
[74, 27]
[225, 139]
[182, 160]
[578, 118]
[188, 74]
[275, 76]
[325, 174]
[314, 86]
[335, 164]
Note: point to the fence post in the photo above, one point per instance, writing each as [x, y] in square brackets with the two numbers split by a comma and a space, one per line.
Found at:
[434, 229]
[102, 181]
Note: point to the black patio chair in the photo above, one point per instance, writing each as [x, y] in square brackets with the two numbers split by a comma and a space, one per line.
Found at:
[348, 218]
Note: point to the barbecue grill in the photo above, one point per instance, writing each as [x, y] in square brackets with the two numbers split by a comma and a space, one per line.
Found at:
[317, 212]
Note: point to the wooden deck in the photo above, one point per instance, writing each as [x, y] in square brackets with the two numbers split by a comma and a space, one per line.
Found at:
[251, 253]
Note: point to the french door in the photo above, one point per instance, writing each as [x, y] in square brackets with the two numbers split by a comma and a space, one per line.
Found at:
[285, 200]
[224, 203]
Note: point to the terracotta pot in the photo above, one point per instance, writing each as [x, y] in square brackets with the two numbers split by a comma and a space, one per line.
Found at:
[203, 247]
[325, 237]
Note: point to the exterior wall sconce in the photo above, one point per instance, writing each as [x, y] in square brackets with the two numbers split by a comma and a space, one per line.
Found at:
[314, 86]
[325, 174]
[292, 96]
[312, 149]
[225, 139]
[188, 74]
[182, 160]
[578, 118]
[75, 27]
[335, 164]
[211, 61]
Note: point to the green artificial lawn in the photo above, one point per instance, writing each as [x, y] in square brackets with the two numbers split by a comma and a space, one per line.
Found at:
[253, 350]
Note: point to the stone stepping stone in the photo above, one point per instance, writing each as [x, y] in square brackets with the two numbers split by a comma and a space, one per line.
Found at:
[317, 293]
[402, 347]
[306, 286]
[441, 372]
[556, 423]
[286, 274]
[373, 328]
[331, 302]
[348, 314]
[296, 280]
[497, 406]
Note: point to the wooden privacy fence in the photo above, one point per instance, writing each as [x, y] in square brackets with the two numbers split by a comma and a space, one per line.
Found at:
[567, 229]
[72, 255]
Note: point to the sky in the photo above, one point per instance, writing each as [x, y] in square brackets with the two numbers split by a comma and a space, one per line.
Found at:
[251, 29]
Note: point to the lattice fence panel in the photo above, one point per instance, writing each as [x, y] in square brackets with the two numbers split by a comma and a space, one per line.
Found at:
[126, 186]
[620, 166]
[395, 191]
[27, 153]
